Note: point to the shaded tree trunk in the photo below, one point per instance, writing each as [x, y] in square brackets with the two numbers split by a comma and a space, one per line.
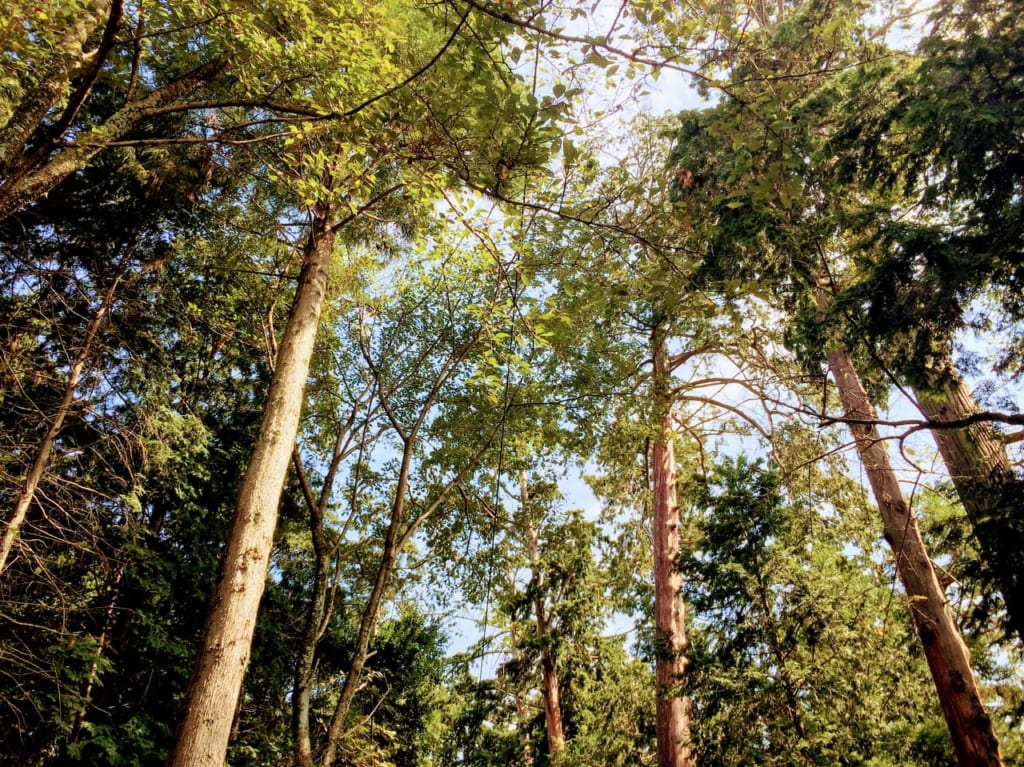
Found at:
[23, 501]
[522, 666]
[29, 183]
[674, 711]
[775, 643]
[368, 622]
[552, 696]
[948, 658]
[204, 729]
[989, 489]
[305, 670]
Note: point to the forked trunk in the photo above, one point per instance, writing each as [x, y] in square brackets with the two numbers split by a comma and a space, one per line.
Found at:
[305, 669]
[213, 691]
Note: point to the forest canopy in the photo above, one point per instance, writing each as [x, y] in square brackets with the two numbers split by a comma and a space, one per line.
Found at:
[399, 383]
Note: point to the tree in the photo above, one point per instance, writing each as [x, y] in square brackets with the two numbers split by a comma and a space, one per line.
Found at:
[205, 726]
[361, 269]
[786, 590]
[223, 655]
[948, 658]
[674, 710]
[118, 544]
[549, 674]
[937, 237]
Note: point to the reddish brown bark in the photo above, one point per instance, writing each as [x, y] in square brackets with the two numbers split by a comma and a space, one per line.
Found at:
[675, 748]
[989, 489]
[549, 675]
[948, 659]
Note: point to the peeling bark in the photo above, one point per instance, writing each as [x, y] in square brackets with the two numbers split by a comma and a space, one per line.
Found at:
[989, 489]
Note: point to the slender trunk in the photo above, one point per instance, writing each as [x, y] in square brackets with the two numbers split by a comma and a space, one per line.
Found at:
[321, 603]
[675, 748]
[394, 539]
[989, 489]
[552, 702]
[203, 731]
[313, 630]
[522, 665]
[368, 622]
[23, 501]
[948, 659]
[27, 185]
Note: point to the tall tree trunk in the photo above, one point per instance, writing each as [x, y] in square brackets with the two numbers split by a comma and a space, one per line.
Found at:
[675, 747]
[205, 726]
[552, 702]
[948, 659]
[23, 501]
[989, 489]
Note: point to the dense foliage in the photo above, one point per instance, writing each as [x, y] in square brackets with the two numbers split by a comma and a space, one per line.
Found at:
[523, 294]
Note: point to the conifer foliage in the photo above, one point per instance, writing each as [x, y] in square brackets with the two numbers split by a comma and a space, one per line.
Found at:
[384, 383]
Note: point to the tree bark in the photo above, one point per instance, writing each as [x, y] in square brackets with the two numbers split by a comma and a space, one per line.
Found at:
[948, 659]
[48, 92]
[305, 670]
[27, 185]
[674, 711]
[321, 603]
[549, 675]
[27, 494]
[989, 489]
[204, 729]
